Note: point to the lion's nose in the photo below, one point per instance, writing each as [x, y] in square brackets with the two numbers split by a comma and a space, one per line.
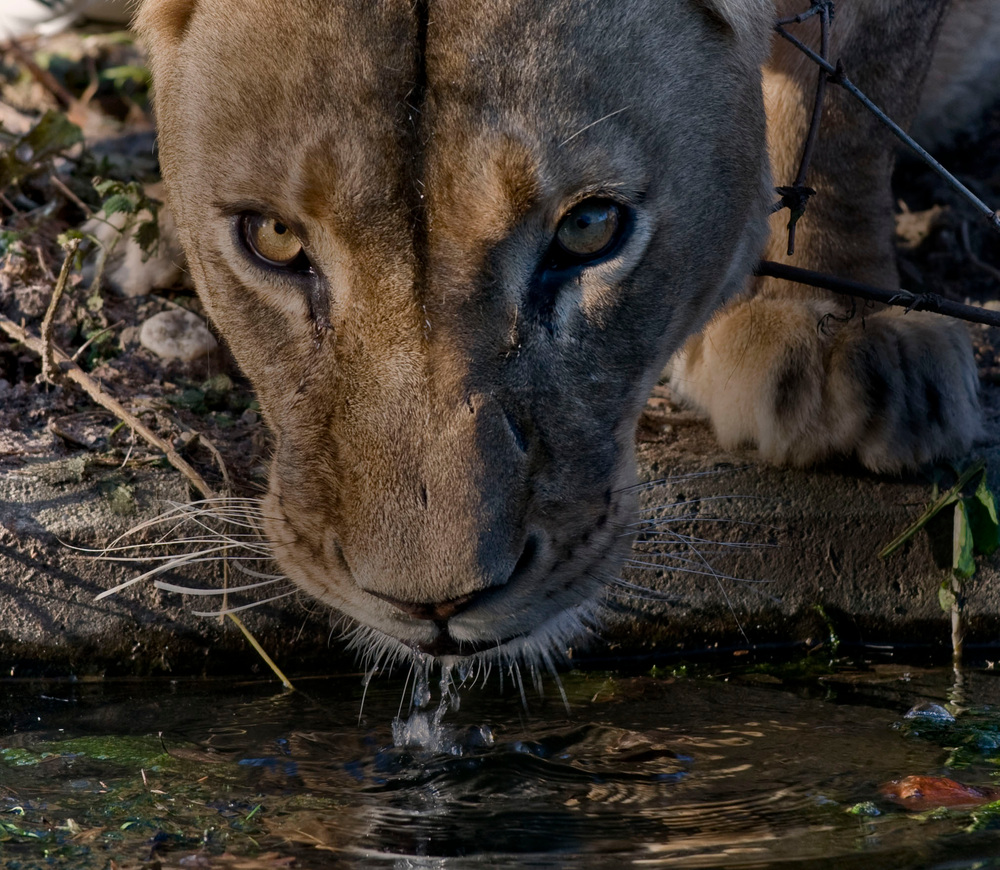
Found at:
[433, 611]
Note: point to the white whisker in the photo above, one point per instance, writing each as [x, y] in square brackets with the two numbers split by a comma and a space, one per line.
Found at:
[701, 500]
[569, 139]
[188, 590]
[240, 566]
[241, 607]
[677, 478]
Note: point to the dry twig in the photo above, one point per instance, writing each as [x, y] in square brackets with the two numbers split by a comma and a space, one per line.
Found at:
[79, 351]
[72, 197]
[76, 110]
[65, 367]
[71, 371]
[48, 322]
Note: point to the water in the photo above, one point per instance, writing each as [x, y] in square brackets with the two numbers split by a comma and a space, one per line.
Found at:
[755, 770]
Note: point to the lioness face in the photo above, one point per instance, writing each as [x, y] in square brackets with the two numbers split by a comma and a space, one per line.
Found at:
[452, 245]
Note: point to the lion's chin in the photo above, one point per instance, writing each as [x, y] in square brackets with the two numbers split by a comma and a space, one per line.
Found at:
[545, 646]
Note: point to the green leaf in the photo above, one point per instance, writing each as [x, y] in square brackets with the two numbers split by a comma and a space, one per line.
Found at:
[946, 596]
[962, 563]
[220, 383]
[118, 203]
[933, 509]
[107, 186]
[982, 508]
[53, 134]
[121, 74]
[191, 398]
[70, 234]
[8, 238]
[147, 237]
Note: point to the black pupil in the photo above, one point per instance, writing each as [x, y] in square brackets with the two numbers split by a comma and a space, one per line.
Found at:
[280, 229]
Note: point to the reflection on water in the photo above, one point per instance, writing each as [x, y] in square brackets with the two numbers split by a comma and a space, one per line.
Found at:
[744, 772]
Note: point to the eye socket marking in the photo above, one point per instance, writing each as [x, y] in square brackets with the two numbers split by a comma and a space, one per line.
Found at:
[590, 232]
[271, 243]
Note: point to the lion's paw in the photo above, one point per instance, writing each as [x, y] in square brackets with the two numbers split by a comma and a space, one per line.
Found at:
[895, 390]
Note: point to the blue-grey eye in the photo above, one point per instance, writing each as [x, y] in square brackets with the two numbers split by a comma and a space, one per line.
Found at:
[589, 229]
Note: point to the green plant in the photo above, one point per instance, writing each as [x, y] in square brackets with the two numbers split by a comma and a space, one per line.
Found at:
[975, 531]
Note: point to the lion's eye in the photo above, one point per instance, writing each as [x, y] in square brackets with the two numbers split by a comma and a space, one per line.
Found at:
[270, 240]
[589, 230]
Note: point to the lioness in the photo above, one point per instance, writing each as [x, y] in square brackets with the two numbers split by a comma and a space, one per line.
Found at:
[454, 244]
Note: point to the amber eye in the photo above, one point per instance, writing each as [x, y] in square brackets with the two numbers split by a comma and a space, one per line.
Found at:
[270, 240]
[589, 230]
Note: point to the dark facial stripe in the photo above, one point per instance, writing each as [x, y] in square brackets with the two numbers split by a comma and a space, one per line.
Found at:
[417, 105]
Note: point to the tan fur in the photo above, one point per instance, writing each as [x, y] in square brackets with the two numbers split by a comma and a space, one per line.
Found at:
[454, 435]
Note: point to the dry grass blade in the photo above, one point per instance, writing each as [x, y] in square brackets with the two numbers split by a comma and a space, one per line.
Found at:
[65, 367]
[48, 349]
[260, 651]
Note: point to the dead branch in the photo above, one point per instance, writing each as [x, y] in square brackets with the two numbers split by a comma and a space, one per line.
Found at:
[70, 370]
[76, 110]
[910, 301]
[72, 197]
[48, 322]
[42, 76]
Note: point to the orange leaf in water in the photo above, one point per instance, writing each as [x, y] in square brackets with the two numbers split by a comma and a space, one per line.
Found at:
[921, 793]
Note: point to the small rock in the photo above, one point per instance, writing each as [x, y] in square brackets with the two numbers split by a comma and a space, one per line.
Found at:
[933, 712]
[177, 334]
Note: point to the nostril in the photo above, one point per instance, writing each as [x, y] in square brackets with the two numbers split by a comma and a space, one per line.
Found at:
[519, 439]
[526, 561]
[339, 559]
[433, 611]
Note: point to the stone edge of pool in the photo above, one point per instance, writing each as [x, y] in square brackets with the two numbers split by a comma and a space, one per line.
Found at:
[823, 529]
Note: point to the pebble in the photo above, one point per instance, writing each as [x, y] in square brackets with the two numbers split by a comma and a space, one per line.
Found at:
[933, 712]
[177, 334]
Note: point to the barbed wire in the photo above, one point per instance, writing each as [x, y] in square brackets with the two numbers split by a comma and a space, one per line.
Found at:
[907, 299]
[796, 196]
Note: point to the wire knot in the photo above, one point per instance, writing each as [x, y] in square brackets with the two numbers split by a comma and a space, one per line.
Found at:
[794, 197]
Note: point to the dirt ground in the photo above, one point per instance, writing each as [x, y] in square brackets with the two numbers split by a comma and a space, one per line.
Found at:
[96, 78]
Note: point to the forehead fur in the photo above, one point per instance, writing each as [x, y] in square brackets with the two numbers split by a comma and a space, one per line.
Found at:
[493, 106]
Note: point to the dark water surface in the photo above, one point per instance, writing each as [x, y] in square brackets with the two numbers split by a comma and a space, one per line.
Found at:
[755, 770]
